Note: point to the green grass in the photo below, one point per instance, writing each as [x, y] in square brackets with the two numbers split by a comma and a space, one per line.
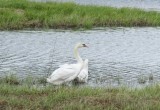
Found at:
[29, 94]
[21, 14]
[13, 79]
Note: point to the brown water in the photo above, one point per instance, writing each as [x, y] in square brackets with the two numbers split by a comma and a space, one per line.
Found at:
[118, 56]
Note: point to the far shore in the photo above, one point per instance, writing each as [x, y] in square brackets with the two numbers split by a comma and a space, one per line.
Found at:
[22, 14]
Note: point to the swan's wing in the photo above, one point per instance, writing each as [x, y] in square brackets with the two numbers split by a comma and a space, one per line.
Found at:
[65, 73]
[83, 75]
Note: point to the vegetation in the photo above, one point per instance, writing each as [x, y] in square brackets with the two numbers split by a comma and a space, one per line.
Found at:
[27, 96]
[20, 14]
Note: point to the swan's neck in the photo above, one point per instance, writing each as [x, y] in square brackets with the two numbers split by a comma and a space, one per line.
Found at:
[77, 56]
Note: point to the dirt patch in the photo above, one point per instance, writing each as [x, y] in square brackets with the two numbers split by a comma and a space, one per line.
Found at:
[3, 104]
[33, 23]
[97, 101]
[19, 11]
[103, 102]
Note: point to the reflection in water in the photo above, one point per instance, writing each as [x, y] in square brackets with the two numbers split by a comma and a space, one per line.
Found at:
[127, 56]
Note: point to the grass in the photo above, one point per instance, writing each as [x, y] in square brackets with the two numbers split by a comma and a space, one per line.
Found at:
[21, 14]
[12, 79]
[23, 97]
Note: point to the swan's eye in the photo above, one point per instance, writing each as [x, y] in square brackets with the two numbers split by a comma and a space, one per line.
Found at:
[84, 45]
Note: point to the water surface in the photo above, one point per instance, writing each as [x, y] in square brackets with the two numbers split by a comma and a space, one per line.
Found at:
[118, 56]
[143, 4]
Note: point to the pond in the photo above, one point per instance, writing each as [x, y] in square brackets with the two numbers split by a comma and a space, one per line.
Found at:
[117, 56]
[143, 4]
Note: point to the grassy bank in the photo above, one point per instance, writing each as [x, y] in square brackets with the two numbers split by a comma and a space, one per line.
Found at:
[20, 14]
[16, 94]
[73, 98]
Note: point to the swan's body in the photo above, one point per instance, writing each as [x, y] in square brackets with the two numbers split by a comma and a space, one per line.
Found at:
[83, 75]
[67, 72]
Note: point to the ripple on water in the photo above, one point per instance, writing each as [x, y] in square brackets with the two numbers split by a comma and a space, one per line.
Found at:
[142, 4]
[120, 56]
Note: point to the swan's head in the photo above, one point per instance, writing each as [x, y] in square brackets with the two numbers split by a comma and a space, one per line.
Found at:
[80, 45]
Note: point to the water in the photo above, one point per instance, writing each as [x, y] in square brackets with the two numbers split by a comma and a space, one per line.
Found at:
[118, 56]
[143, 4]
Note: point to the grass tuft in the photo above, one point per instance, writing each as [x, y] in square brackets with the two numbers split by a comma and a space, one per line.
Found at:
[10, 79]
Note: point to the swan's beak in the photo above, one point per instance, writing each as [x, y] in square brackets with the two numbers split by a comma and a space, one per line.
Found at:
[84, 45]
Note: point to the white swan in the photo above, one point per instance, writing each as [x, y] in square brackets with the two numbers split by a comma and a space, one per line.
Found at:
[83, 75]
[67, 72]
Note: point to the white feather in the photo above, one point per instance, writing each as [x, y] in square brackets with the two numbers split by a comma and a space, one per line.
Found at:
[83, 75]
[67, 72]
